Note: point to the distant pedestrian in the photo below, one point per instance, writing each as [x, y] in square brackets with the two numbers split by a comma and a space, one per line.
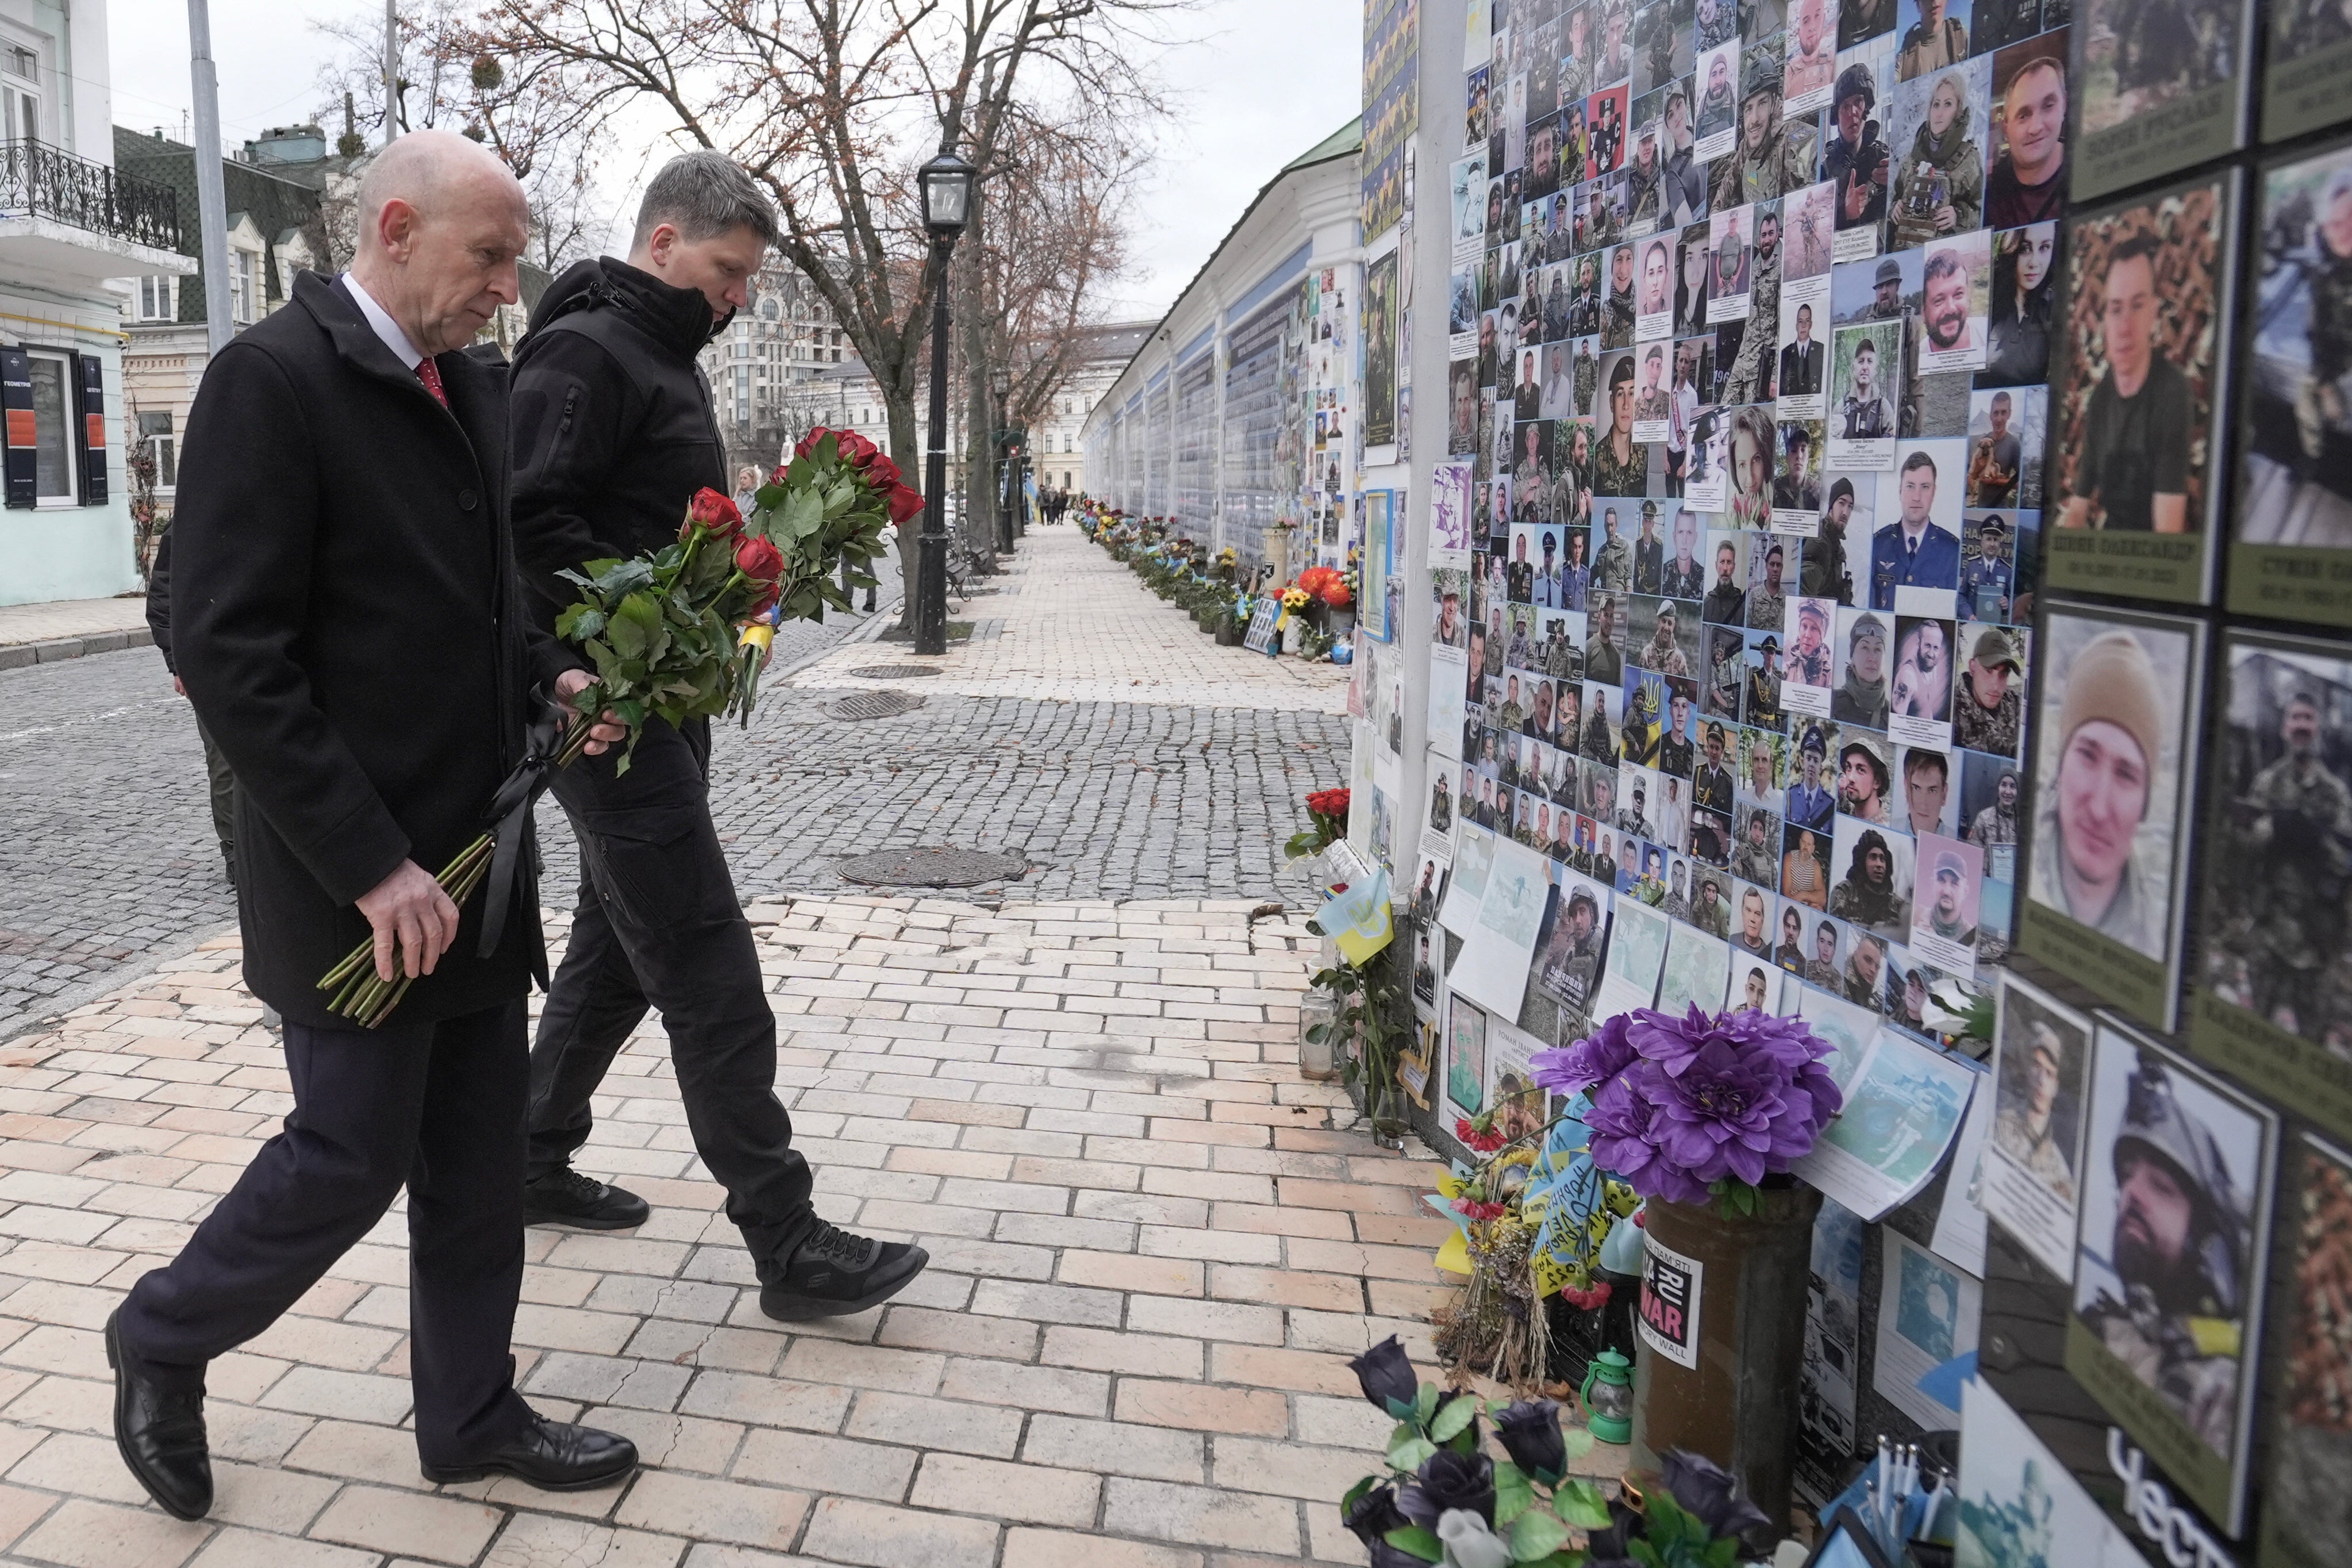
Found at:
[217, 770]
[746, 485]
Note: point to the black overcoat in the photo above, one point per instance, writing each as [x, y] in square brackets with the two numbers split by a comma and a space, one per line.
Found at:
[344, 612]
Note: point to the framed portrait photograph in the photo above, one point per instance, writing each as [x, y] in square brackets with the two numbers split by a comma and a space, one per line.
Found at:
[2160, 85]
[2170, 1260]
[2290, 518]
[2132, 487]
[2033, 1181]
[2273, 1003]
[2120, 704]
[2308, 69]
[2307, 1495]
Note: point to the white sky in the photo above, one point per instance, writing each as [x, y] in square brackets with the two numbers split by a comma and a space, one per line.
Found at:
[1255, 83]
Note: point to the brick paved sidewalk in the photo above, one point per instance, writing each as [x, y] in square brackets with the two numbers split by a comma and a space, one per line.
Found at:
[1069, 624]
[1153, 1250]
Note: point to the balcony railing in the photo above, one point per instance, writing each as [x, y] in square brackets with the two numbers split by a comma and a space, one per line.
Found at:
[39, 181]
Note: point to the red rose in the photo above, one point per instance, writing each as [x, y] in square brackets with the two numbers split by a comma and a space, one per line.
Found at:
[904, 504]
[855, 450]
[759, 559]
[880, 472]
[711, 510]
[778, 477]
[807, 443]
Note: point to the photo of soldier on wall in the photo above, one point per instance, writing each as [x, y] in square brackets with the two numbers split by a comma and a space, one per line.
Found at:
[2278, 912]
[2169, 1269]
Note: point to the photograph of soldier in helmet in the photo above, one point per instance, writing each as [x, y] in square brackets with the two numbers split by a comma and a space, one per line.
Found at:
[2280, 889]
[2033, 1175]
[2294, 467]
[2142, 69]
[2168, 1268]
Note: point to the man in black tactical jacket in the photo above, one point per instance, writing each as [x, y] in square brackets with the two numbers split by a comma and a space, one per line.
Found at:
[614, 432]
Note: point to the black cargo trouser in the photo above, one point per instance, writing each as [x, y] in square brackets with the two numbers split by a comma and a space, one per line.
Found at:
[659, 926]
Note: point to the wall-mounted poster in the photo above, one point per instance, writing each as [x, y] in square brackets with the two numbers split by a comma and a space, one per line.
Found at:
[2163, 84]
[2290, 531]
[2147, 325]
[2121, 698]
[2273, 1005]
[2307, 1506]
[1380, 350]
[2034, 1162]
[1378, 561]
[1465, 1055]
[1391, 101]
[2169, 1266]
[2308, 68]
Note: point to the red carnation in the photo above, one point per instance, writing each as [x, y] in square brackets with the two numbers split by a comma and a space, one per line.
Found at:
[710, 510]
[904, 504]
[759, 559]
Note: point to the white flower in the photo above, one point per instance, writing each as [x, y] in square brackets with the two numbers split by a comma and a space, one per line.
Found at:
[1469, 1543]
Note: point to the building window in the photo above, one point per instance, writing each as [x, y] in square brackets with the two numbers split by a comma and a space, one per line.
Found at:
[156, 298]
[155, 430]
[53, 438]
[20, 100]
[240, 288]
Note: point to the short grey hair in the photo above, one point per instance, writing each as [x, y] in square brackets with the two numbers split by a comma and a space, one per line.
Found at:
[702, 193]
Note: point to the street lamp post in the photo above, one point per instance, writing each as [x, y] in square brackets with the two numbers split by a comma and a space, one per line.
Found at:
[946, 184]
[1001, 384]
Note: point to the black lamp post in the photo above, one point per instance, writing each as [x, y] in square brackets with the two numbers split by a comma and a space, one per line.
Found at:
[1001, 384]
[946, 183]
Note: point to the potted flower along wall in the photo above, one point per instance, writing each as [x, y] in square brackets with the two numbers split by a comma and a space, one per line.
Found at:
[1704, 1116]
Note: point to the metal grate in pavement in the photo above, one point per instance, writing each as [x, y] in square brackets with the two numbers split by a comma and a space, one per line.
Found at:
[932, 867]
[874, 704]
[893, 671]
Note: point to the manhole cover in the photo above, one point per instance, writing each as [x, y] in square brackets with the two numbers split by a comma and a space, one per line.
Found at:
[874, 704]
[932, 867]
[893, 671]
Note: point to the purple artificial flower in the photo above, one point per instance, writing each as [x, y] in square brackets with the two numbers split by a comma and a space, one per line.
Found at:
[1449, 1480]
[1596, 1059]
[1705, 1099]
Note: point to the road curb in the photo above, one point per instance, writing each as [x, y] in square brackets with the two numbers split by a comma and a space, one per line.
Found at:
[22, 655]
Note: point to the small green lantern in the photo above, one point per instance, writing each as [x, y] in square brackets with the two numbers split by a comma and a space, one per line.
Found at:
[1608, 1396]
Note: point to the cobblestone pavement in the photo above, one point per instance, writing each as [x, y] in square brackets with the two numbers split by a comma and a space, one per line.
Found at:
[107, 856]
[1154, 1246]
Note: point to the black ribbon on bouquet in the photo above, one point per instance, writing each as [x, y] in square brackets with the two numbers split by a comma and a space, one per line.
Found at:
[510, 814]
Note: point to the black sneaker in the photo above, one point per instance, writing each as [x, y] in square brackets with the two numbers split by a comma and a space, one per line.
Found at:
[834, 1274]
[564, 1197]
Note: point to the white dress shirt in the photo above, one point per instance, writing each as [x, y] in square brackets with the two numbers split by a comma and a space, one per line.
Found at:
[381, 320]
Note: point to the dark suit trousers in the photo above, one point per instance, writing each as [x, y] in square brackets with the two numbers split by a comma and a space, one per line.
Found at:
[435, 1105]
[658, 925]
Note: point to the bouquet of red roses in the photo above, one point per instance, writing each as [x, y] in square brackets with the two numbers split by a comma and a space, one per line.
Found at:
[680, 632]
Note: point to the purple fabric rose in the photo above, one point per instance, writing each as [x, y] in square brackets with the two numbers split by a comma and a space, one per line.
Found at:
[1680, 1103]
[1587, 1062]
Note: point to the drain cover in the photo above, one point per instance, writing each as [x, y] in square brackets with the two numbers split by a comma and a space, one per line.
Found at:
[893, 671]
[932, 867]
[874, 705]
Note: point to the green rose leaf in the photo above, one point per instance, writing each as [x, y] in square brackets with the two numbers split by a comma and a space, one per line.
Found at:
[1410, 1454]
[1512, 1492]
[1581, 1504]
[1537, 1534]
[1416, 1542]
[1580, 1440]
[1449, 1422]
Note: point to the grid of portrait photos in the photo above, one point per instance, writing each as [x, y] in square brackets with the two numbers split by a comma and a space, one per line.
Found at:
[1751, 312]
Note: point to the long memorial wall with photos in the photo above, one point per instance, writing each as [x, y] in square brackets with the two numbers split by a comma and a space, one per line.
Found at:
[1892, 543]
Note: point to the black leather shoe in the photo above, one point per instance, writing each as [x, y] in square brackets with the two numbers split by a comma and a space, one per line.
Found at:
[160, 1433]
[564, 1197]
[834, 1274]
[553, 1455]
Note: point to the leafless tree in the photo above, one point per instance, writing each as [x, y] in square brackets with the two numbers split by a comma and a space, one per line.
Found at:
[832, 104]
[449, 79]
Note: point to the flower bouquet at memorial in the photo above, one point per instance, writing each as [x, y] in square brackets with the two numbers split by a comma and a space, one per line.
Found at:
[680, 633]
[1445, 1499]
[1703, 1106]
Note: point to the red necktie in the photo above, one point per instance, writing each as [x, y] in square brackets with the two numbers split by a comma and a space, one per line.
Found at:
[430, 375]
